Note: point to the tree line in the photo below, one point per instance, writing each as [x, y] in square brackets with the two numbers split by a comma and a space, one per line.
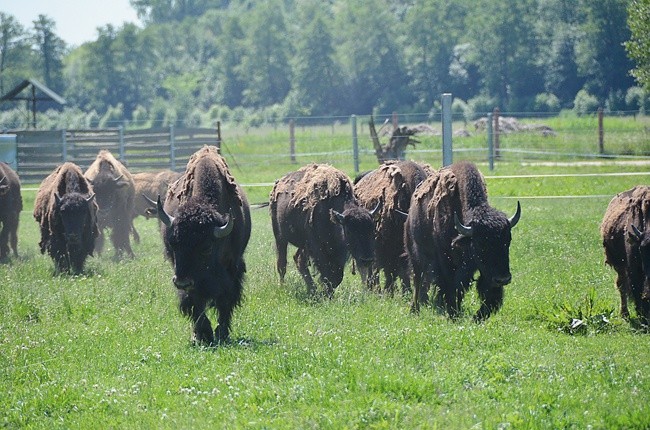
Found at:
[220, 58]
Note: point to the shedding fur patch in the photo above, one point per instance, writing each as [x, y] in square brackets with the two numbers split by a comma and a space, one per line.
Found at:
[318, 182]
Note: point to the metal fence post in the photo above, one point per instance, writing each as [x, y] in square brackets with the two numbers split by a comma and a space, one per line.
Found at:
[490, 141]
[292, 140]
[64, 146]
[601, 132]
[355, 144]
[172, 148]
[447, 153]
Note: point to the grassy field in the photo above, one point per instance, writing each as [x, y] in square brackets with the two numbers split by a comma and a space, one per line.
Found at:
[109, 349]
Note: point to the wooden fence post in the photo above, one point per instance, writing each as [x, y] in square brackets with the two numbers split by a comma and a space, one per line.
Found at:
[355, 143]
[120, 131]
[447, 151]
[172, 148]
[601, 132]
[490, 141]
[64, 146]
[219, 136]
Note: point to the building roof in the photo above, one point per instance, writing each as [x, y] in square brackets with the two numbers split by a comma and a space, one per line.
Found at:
[48, 93]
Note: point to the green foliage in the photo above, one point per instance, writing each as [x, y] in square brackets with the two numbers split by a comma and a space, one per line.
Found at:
[590, 316]
[637, 98]
[585, 103]
[546, 102]
[638, 47]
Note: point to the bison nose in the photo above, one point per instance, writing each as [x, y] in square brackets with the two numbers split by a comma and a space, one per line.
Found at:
[183, 283]
[502, 280]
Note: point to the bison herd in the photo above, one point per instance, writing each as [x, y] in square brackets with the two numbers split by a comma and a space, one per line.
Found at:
[424, 227]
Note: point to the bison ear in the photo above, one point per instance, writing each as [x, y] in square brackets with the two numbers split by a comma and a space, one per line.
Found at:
[337, 217]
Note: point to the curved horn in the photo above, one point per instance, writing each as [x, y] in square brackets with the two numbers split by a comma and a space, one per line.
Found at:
[118, 178]
[402, 213]
[162, 215]
[515, 218]
[224, 230]
[373, 211]
[463, 230]
[340, 218]
[638, 234]
[3, 179]
[91, 198]
[150, 201]
[57, 199]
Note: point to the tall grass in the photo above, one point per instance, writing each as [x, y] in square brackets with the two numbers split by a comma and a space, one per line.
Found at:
[108, 349]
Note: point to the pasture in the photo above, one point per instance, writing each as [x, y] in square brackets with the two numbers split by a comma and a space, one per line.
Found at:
[109, 349]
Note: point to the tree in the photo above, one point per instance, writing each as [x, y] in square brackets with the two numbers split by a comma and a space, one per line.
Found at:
[15, 53]
[638, 47]
[51, 50]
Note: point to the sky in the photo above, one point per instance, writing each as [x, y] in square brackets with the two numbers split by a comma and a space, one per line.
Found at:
[76, 20]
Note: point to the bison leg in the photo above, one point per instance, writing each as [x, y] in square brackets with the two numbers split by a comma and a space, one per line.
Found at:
[302, 262]
[420, 290]
[120, 239]
[222, 332]
[136, 235]
[4, 238]
[281, 263]
[623, 290]
[195, 309]
[491, 296]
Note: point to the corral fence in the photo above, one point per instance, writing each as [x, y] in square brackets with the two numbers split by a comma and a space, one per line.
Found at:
[37, 152]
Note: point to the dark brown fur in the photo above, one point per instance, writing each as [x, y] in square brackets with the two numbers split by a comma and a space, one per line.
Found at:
[628, 251]
[391, 186]
[11, 203]
[208, 268]
[440, 254]
[66, 212]
[115, 193]
[148, 186]
[315, 210]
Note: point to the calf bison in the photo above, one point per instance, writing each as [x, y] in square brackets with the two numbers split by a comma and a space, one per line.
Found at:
[626, 238]
[66, 212]
[314, 209]
[451, 232]
[149, 185]
[115, 192]
[206, 227]
[11, 203]
[391, 186]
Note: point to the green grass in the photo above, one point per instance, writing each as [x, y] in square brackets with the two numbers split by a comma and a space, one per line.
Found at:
[109, 349]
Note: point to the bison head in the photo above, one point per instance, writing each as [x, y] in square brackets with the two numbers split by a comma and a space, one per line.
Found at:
[359, 234]
[195, 240]
[489, 237]
[107, 188]
[642, 239]
[77, 215]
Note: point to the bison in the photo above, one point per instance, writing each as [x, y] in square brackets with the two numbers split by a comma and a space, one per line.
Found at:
[206, 227]
[149, 185]
[451, 232]
[314, 209]
[115, 193]
[11, 203]
[626, 238]
[66, 211]
[391, 185]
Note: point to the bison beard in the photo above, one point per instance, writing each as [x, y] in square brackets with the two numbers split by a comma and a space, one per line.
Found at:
[451, 232]
[626, 238]
[11, 203]
[206, 227]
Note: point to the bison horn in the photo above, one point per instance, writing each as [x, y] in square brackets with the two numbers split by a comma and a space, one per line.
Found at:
[57, 199]
[151, 201]
[224, 230]
[339, 216]
[373, 211]
[162, 215]
[638, 234]
[402, 213]
[91, 198]
[118, 178]
[463, 230]
[3, 179]
[515, 218]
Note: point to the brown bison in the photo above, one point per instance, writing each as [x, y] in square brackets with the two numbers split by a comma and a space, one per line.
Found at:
[66, 212]
[206, 227]
[626, 238]
[314, 209]
[11, 203]
[148, 186]
[391, 186]
[451, 232]
[115, 193]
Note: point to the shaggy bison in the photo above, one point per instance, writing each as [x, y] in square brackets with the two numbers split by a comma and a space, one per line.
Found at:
[115, 191]
[626, 238]
[451, 232]
[206, 227]
[391, 186]
[11, 203]
[314, 208]
[149, 185]
[66, 212]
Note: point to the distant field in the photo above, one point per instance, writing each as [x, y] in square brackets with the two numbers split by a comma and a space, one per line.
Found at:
[110, 350]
